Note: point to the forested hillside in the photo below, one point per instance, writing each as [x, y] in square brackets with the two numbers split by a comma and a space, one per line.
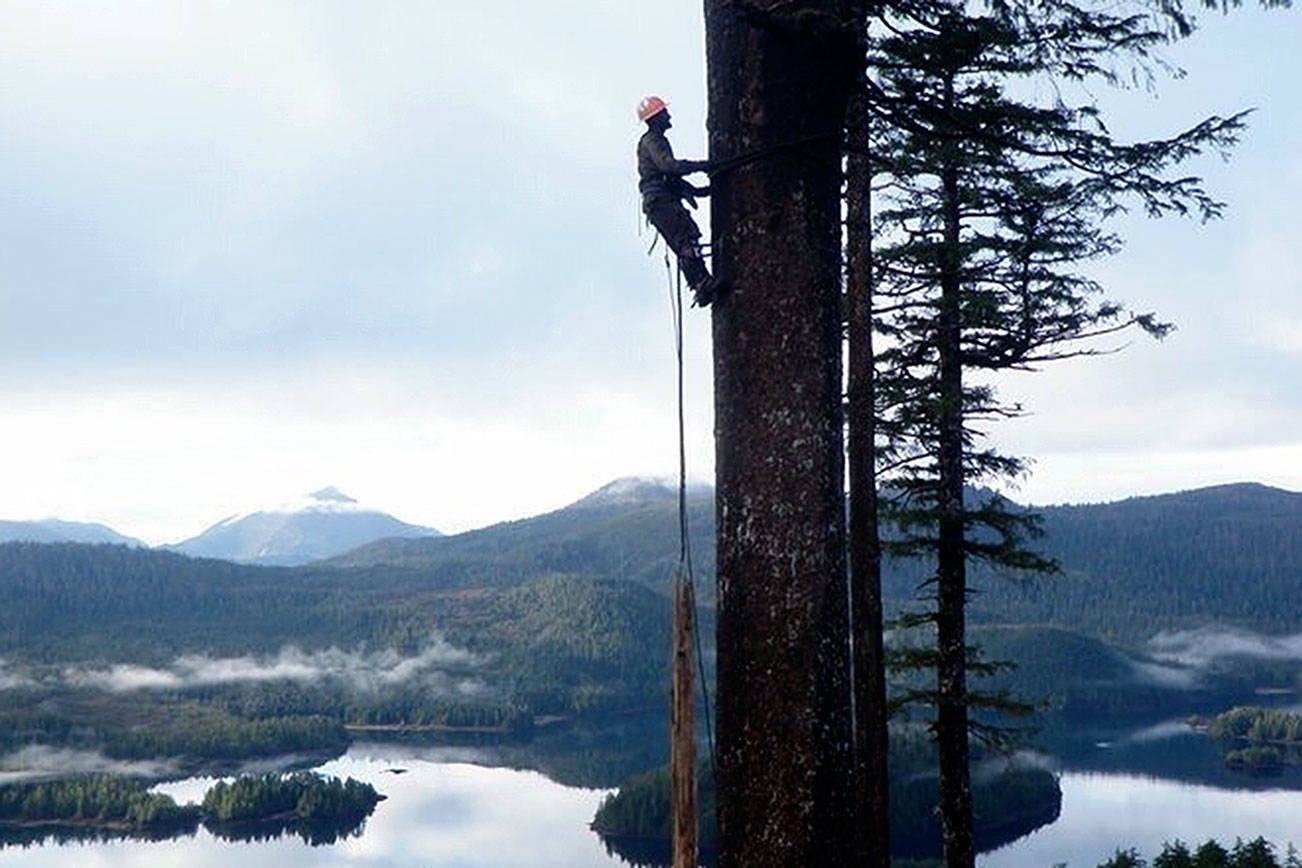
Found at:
[567, 642]
[1226, 555]
[562, 613]
[1223, 555]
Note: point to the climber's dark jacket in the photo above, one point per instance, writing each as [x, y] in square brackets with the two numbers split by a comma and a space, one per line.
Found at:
[660, 173]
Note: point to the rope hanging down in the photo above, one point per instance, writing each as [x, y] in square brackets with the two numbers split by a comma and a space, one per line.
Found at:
[684, 537]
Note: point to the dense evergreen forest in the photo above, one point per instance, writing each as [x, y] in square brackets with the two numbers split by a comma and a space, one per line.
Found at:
[105, 800]
[1219, 554]
[1226, 554]
[565, 644]
[563, 614]
[304, 796]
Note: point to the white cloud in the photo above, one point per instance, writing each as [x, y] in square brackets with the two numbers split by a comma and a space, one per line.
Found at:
[253, 249]
[35, 761]
[361, 670]
[12, 680]
[1200, 648]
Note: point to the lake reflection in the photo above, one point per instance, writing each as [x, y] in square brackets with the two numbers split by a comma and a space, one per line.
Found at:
[437, 814]
[1103, 812]
[466, 807]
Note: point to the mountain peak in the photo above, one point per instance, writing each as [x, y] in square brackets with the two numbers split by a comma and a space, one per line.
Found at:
[318, 525]
[637, 489]
[331, 494]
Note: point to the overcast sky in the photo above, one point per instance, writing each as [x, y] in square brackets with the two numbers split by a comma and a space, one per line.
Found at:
[248, 250]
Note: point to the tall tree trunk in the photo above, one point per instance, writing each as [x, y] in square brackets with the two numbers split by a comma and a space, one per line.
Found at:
[871, 739]
[778, 76]
[951, 568]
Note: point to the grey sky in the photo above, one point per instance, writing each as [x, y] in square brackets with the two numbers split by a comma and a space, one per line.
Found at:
[251, 249]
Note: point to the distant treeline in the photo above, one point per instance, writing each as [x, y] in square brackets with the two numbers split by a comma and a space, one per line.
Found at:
[1257, 726]
[95, 799]
[1257, 853]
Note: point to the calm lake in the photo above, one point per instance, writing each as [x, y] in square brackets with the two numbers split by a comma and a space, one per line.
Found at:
[451, 807]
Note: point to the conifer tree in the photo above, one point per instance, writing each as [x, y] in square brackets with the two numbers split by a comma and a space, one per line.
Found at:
[991, 204]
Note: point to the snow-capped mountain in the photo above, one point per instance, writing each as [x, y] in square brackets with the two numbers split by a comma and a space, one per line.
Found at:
[636, 489]
[52, 530]
[319, 525]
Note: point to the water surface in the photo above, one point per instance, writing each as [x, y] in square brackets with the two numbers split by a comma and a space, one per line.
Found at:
[438, 814]
[486, 807]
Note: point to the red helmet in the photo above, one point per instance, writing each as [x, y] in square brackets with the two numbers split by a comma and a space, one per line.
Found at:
[650, 107]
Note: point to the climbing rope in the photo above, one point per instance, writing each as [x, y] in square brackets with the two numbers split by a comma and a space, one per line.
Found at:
[729, 164]
[675, 279]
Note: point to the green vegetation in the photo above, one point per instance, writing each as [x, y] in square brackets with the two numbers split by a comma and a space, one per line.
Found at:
[303, 795]
[319, 809]
[1130, 568]
[1225, 555]
[635, 540]
[104, 800]
[1257, 853]
[1258, 739]
[554, 644]
[562, 616]
[1257, 726]
[144, 726]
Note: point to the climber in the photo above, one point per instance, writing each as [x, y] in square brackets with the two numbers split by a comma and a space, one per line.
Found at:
[663, 188]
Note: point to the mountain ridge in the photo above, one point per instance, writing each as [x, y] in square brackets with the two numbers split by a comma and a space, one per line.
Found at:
[51, 530]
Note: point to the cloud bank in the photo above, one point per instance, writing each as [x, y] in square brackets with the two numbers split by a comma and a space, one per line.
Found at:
[35, 761]
[1202, 647]
[12, 680]
[358, 669]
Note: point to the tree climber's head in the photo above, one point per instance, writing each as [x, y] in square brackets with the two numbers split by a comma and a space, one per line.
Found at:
[654, 112]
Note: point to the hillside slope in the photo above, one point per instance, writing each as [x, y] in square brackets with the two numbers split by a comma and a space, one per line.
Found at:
[625, 530]
[1223, 555]
[565, 643]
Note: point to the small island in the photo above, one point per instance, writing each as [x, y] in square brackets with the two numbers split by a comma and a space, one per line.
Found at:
[298, 796]
[1256, 740]
[319, 808]
[102, 801]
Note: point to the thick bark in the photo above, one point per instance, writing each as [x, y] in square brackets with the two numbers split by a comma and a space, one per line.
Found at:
[951, 570]
[870, 737]
[682, 753]
[776, 76]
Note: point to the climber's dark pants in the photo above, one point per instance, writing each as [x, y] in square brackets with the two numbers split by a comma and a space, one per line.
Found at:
[680, 232]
